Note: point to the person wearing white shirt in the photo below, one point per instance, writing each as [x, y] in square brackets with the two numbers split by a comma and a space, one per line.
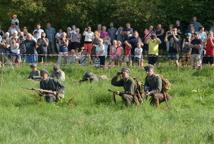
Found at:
[89, 37]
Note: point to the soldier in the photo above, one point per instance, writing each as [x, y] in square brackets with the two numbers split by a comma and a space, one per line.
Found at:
[58, 73]
[129, 85]
[89, 76]
[56, 89]
[153, 87]
[35, 73]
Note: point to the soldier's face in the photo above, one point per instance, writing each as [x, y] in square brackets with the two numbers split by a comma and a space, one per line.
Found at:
[125, 74]
[45, 76]
[150, 72]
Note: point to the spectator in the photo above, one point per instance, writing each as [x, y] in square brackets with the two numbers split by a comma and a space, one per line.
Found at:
[134, 40]
[203, 36]
[112, 32]
[63, 49]
[15, 21]
[119, 54]
[75, 39]
[209, 55]
[174, 41]
[84, 56]
[89, 37]
[113, 51]
[31, 53]
[58, 37]
[73, 57]
[100, 49]
[128, 56]
[196, 24]
[42, 49]
[138, 55]
[106, 40]
[38, 31]
[178, 26]
[119, 35]
[127, 31]
[196, 44]
[15, 51]
[147, 35]
[51, 32]
[13, 29]
[186, 50]
[160, 34]
[153, 45]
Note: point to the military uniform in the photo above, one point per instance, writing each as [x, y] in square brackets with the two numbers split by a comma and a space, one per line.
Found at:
[153, 85]
[52, 85]
[58, 74]
[129, 86]
[89, 76]
[35, 75]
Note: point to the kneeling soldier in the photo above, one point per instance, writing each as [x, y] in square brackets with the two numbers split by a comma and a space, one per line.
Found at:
[129, 85]
[153, 87]
[56, 89]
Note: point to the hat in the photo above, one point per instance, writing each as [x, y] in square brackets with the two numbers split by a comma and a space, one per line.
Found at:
[125, 70]
[148, 67]
[56, 67]
[33, 65]
[44, 72]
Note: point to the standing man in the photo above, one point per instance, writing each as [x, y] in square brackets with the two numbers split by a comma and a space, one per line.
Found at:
[153, 44]
[153, 87]
[196, 45]
[129, 85]
[50, 32]
[56, 89]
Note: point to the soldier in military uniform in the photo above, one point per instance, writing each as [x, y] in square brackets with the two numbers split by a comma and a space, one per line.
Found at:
[153, 87]
[35, 73]
[129, 85]
[91, 77]
[57, 73]
[51, 85]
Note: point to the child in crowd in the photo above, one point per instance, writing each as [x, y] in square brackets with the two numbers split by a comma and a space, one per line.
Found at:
[73, 57]
[138, 57]
[84, 57]
[128, 58]
[119, 53]
[15, 51]
[113, 51]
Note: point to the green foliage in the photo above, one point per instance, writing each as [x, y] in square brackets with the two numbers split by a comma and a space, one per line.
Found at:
[89, 115]
[140, 13]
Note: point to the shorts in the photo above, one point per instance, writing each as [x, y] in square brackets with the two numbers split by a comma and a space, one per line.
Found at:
[208, 59]
[88, 46]
[63, 49]
[137, 60]
[152, 59]
[119, 58]
[196, 60]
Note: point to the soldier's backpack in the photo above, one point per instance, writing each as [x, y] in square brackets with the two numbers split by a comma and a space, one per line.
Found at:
[165, 84]
[139, 91]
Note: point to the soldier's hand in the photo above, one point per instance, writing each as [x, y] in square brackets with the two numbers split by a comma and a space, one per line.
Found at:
[148, 93]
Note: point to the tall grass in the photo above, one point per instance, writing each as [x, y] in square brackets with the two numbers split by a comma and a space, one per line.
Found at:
[88, 114]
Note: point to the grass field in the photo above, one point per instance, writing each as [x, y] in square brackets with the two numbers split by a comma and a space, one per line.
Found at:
[88, 115]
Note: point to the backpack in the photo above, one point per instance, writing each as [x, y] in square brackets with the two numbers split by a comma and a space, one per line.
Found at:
[166, 85]
[138, 91]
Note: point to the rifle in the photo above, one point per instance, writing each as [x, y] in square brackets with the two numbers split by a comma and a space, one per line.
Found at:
[114, 94]
[42, 91]
[136, 100]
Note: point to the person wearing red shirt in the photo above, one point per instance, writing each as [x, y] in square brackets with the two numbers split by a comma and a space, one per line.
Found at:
[209, 55]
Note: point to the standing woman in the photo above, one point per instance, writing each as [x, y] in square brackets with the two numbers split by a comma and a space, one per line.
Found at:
[89, 36]
[63, 48]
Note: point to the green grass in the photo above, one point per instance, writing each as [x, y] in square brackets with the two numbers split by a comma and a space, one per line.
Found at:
[91, 117]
